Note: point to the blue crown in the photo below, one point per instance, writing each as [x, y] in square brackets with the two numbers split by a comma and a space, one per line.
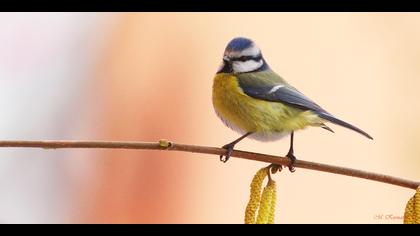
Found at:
[239, 44]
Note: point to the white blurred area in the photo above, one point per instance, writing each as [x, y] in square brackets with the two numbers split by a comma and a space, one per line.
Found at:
[46, 63]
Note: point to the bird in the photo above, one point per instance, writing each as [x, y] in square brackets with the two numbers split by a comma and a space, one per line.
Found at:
[252, 99]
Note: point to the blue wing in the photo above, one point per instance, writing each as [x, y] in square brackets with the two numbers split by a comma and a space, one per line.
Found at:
[284, 94]
[267, 85]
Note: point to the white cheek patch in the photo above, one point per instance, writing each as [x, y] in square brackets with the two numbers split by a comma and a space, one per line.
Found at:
[246, 66]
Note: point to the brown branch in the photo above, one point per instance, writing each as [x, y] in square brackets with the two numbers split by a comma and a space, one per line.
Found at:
[168, 146]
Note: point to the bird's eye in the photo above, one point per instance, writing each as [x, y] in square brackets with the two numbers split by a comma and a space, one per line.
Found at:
[247, 58]
[243, 58]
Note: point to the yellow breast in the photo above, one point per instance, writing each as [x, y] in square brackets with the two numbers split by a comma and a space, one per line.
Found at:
[246, 114]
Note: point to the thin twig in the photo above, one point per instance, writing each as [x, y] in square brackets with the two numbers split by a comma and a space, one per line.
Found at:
[169, 146]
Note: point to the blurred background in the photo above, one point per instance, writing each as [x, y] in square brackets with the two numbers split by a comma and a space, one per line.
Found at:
[148, 76]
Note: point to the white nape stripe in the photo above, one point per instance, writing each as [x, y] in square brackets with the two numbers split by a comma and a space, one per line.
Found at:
[246, 66]
[275, 88]
[251, 51]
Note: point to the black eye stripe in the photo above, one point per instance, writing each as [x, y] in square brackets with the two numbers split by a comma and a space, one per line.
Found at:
[247, 58]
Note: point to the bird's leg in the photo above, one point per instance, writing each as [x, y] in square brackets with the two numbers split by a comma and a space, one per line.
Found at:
[275, 167]
[291, 155]
[229, 147]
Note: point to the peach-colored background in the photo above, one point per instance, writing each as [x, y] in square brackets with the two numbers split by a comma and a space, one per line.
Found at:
[151, 78]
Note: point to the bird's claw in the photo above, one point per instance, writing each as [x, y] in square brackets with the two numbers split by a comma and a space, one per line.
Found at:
[229, 149]
[292, 162]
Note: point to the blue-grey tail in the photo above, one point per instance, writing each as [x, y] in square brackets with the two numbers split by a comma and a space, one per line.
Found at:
[336, 121]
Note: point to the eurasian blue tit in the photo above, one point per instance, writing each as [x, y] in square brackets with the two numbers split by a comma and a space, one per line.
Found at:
[253, 100]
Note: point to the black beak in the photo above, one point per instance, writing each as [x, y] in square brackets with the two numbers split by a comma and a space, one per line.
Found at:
[226, 60]
[227, 66]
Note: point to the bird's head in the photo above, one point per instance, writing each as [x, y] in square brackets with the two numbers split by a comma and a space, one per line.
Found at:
[242, 55]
